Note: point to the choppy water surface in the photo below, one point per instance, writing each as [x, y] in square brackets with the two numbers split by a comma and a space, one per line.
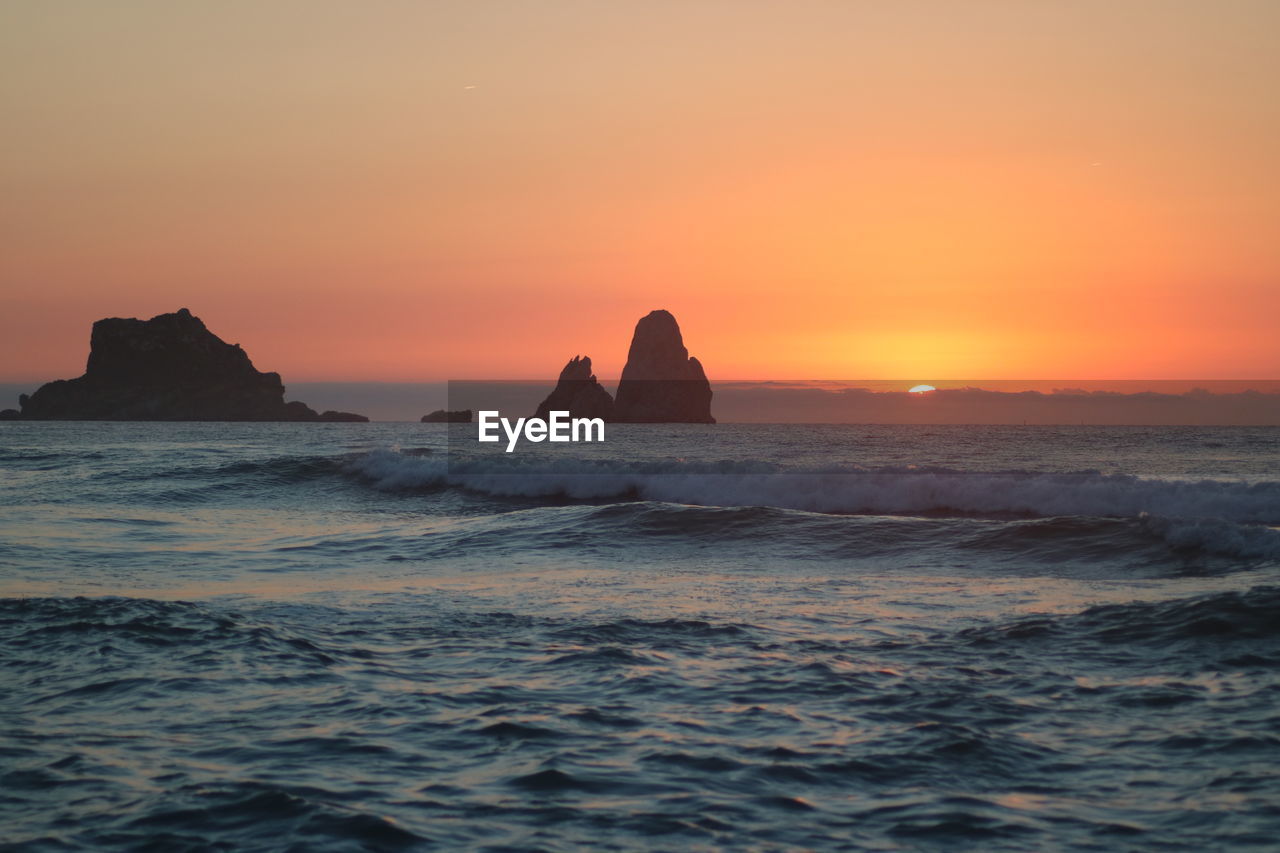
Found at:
[330, 637]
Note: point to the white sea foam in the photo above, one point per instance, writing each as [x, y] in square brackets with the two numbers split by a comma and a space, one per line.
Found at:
[841, 490]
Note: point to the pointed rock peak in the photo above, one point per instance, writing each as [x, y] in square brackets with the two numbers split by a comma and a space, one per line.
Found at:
[659, 318]
[660, 382]
[657, 330]
[579, 367]
[657, 349]
[578, 393]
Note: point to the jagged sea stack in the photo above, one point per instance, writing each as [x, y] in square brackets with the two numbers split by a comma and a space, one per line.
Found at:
[578, 393]
[661, 382]
[168, 368]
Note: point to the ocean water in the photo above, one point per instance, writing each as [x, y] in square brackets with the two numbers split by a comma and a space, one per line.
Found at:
[370, 637]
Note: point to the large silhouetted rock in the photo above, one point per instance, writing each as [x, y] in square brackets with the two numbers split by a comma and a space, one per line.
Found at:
[168, 368]
[661, 382]
[578, 393]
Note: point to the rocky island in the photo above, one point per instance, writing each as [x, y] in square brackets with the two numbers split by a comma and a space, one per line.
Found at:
[661, 382]
[443, 416]
[168, 368]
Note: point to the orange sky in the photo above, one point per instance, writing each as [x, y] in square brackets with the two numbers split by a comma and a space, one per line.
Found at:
[405, 190]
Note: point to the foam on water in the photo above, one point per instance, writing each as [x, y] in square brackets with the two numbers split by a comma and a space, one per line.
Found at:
[847, 489]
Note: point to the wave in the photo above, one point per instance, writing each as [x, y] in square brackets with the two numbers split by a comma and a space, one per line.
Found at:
[1226, 618]
[839, 489]
[277, 470]
[608, 532]
[1216, 536]
[1247, 615]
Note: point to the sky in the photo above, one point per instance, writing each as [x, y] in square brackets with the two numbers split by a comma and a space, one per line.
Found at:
[414, 191]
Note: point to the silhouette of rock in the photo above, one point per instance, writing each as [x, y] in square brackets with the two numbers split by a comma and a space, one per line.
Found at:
[168, 368]
[578, 393]
[441, 416]
[661, 382]
[9, 414]
[334, 416]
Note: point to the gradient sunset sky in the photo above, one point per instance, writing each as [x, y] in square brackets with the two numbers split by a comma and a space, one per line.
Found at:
[428, 190]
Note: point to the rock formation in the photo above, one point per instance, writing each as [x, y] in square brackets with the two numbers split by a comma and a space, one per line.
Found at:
[661, 382]
[333, 416]
[578, 393]
[440, 416]
[168, 368]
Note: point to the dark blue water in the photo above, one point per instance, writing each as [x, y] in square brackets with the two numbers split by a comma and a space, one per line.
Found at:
[339, 637]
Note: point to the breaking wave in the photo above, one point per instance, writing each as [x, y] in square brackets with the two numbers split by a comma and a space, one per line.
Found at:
[843, 489]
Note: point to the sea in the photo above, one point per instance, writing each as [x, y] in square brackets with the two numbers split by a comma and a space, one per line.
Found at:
[333, 637]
